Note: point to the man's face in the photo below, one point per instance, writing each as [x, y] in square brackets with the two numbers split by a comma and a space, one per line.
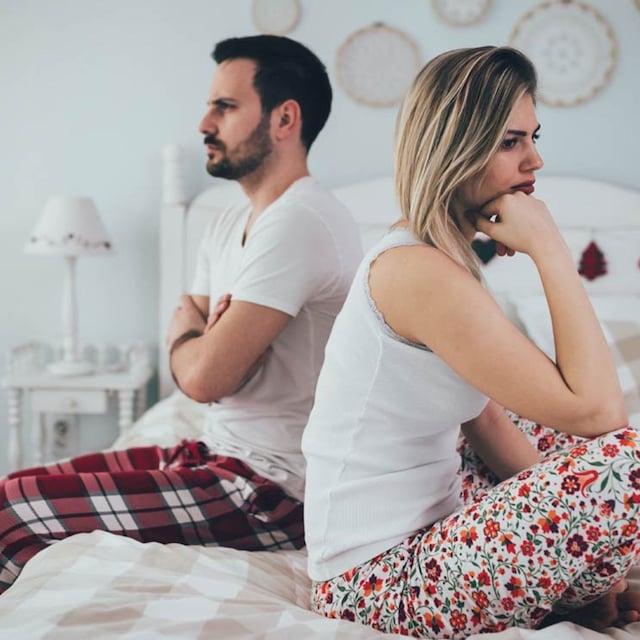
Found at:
[237, 135]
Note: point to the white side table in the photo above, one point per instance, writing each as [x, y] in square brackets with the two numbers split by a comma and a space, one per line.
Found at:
[27, 379]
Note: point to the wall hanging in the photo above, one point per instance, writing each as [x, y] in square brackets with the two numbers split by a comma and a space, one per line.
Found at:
[573, 47]
[376, 65]
[462, 13]
[275, 17]
[592, 262]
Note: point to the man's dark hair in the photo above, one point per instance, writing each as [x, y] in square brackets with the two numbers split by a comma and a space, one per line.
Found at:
[285, 69]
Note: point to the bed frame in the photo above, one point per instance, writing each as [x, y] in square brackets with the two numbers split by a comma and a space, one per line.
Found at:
[585, 210]
[182, 223]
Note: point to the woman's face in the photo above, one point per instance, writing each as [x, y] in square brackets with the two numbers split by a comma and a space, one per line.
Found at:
[513, 167]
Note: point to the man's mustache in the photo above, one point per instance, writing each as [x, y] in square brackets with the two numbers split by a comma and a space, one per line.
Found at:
[213, 142]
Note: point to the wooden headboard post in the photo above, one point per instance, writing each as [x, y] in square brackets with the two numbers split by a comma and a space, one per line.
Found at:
[172, 251]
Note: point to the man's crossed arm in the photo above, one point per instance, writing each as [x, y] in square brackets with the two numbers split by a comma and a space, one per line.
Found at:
[212, 357]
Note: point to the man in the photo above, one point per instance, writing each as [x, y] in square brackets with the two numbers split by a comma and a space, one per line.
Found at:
[270, 279]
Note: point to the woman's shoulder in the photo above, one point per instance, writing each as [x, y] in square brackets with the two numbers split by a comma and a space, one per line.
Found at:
[417, 262]
[417, 288]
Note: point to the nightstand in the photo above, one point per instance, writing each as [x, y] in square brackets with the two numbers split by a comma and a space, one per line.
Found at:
[120, 372]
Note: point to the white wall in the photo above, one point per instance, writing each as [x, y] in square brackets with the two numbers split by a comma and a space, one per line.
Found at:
[91, 91]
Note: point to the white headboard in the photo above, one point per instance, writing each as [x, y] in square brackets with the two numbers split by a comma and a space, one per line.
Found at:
[586, 210]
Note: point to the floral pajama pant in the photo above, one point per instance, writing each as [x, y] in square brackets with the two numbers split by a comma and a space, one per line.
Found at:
[554, 537]
[181, 494]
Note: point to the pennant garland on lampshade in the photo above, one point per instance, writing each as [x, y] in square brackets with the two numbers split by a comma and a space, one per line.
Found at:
[592, 262]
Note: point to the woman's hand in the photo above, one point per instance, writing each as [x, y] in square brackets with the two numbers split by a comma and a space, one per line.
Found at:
[518, 222]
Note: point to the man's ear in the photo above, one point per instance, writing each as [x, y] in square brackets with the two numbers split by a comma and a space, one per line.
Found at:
[286, 119]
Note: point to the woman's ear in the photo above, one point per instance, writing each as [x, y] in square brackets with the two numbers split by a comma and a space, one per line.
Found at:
[286, 119]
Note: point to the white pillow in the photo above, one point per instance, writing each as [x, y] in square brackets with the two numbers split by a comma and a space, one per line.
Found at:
[517, 275]
[621, 251]
[373, 205]
[620, 320]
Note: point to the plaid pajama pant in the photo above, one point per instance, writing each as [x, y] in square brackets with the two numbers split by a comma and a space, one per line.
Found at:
[182, 494]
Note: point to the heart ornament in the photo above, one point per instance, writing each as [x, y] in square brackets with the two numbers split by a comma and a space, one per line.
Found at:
[485, 249]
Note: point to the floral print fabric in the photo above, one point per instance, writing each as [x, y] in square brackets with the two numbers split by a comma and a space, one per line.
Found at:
[553, 537]
[477, 478]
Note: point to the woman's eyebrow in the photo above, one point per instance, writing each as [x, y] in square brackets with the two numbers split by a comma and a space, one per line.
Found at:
[520, 132]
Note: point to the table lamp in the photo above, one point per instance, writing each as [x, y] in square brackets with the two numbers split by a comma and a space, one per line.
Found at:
[69, 227]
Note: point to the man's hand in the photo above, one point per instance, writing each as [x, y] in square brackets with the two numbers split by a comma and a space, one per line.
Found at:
[186, 317]
[217, 362]
[221, 306]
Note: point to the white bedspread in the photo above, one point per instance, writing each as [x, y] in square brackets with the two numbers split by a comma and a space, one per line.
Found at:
[100, 585]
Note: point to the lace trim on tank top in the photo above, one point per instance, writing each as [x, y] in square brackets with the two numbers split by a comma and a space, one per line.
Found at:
[405, 239]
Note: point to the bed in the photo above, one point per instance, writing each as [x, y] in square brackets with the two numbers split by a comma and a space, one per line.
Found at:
[104, 586]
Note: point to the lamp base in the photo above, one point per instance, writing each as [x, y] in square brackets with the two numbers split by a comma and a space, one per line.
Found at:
[73, 368]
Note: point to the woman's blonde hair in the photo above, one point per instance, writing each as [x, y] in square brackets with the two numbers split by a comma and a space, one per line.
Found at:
[452, 121]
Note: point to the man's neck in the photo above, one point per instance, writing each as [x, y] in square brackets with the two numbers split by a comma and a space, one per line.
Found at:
[266, 187]
[263, 190]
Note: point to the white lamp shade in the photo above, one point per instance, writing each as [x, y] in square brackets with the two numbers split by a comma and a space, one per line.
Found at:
[69, 227]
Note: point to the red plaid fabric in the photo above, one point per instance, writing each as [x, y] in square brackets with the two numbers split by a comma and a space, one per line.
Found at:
[182, 494]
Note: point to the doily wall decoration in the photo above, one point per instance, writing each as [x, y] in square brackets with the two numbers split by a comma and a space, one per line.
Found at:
[462, 13]
[573, 48]
[377, 64]
[275, 17]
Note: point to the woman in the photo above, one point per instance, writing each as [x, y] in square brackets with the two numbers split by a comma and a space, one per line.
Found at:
[421, 348]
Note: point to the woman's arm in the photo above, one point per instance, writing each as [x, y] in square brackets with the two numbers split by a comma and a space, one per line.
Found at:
[427, 298]
[499, 442]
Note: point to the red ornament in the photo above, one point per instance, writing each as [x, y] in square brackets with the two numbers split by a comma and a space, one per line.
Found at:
[592, 262]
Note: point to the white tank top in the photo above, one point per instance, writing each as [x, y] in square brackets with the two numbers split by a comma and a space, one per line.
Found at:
[380, 444]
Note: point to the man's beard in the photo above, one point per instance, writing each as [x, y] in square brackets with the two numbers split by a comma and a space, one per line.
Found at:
[246, 158]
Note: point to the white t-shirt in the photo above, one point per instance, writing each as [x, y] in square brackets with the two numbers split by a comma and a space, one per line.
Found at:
[380, 443]
[299, 258]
